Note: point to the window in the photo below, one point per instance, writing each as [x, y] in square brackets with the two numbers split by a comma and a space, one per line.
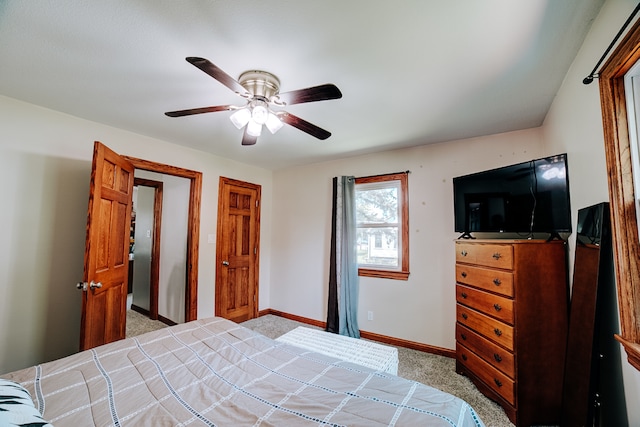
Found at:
[624, 228]
[382, 216]
[632, 99]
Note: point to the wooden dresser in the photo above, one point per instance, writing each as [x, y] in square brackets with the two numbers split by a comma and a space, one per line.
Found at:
[512, 321]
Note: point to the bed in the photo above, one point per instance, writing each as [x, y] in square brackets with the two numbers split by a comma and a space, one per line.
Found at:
[215, 372]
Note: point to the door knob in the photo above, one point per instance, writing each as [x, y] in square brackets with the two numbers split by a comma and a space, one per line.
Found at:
[225, 263]
[83, 286]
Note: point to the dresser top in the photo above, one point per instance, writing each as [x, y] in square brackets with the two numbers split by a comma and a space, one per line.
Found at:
[510, 241]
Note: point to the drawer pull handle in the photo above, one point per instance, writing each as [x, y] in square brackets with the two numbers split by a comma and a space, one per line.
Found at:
[463, 336]
[497, 307]
[464, 357]
[498, 382]
[463, 295]
[497, 282]
[463, 274]
[464, 316]
[463, 253]
[497, 357]
[497, 255]
[497, 331]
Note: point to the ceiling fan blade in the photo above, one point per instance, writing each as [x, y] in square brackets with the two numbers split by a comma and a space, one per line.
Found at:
[248, 139]
[310, 94]
[192, 111]
[303, 125]
[215, 72]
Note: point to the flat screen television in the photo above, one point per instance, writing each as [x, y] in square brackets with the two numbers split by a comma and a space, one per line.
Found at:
[529, 197]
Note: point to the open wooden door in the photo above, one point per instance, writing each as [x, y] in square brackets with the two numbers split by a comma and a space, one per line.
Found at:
[237, 250]
[106, 257]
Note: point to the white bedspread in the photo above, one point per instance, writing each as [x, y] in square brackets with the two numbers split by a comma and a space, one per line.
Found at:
[215, 372]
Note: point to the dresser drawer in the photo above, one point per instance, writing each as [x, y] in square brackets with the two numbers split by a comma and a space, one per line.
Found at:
[499, 382]
[492, 353]
[496, 306]
[493, 329]
[498, 281]
[490, 255]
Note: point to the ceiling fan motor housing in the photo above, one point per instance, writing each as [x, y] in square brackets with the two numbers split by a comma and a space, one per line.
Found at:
[260, 83]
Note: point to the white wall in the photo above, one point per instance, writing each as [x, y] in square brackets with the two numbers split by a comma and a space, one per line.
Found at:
[574, 125]
[421, 309]
[143, 203]
[173, 248]
[45, 162]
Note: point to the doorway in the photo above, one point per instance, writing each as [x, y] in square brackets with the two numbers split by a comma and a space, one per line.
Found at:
[104, 283]
[193, 227]
[144, 249]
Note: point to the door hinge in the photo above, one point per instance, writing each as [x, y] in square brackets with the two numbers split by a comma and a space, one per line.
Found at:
[255, 251]
[257, 203]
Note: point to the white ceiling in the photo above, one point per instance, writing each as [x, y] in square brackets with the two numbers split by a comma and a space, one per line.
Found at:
[412, 72]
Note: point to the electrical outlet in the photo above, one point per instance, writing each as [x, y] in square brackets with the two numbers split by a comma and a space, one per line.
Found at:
[369, 315]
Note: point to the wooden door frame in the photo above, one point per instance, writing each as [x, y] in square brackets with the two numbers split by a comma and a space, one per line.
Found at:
[223, 181]
[154, 274]
[193, 227]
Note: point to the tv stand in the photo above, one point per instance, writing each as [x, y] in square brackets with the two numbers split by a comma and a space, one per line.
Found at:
[466, 235]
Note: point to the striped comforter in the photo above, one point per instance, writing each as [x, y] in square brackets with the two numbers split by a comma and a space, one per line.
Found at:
[215, 372]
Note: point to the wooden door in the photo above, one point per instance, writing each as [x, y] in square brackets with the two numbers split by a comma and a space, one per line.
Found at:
[106, 257]
[237, 250]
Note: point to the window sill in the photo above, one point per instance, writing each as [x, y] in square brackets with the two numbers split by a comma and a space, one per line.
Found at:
[384, 274]
[633, 351]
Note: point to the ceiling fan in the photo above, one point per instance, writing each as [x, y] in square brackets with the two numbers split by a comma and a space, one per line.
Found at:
[262, 91]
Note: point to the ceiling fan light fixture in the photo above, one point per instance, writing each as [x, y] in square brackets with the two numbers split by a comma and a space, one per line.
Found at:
[240, 118]
[273, 123]
[254, 128]
[259, 113]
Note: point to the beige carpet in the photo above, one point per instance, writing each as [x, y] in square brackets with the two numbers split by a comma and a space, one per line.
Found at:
[139, 324]
[435, 371]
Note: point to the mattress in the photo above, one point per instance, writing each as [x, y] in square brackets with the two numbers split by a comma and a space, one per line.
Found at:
[216, 372]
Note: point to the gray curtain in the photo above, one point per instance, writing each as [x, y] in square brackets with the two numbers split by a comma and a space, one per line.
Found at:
[342, 313]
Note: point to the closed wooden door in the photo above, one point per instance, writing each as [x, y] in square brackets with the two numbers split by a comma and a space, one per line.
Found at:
[237, 250]
[106, 258]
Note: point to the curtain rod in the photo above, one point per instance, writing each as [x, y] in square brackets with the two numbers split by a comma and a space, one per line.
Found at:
[589, 79]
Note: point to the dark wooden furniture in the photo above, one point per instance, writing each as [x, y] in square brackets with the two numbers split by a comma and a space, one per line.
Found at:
[593, 390]
[512, 324]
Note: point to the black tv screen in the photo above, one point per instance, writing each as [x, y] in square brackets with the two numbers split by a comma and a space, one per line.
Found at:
[527, 197]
